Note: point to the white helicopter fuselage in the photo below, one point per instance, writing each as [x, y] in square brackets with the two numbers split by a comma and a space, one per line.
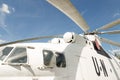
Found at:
[73, 57]
[79, 59]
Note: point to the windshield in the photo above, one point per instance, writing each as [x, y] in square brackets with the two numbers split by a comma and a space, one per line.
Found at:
[18, 55]
[5, 52]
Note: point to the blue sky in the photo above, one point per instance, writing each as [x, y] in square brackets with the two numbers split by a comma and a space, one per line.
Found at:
[30, 18]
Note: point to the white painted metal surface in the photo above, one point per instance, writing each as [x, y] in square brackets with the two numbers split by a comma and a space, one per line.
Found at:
[83, 62]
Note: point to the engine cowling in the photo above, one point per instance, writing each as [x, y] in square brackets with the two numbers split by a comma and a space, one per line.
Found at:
[69, 37]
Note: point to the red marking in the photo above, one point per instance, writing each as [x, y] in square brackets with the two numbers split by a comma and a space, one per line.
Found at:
[97, 44]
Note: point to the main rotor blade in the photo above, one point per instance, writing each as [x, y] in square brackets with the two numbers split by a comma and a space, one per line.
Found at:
[29, 39]
[109, 32]
[69, 10]
[109, 41]
[110, 25]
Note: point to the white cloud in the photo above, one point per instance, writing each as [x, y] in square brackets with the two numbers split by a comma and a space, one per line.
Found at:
[2, 41]
[83, 12]
[116, 14]
[5, 8]
[13, 9]
[3, 11]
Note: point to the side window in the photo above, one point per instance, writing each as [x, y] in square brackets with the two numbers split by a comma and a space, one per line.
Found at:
[47, 56]
[60, 60]
[19, 55]
[50, 58]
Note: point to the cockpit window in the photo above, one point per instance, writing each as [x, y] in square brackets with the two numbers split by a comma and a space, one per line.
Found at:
[19, 55]
[47, 57]
[60, 60]
[5, 52]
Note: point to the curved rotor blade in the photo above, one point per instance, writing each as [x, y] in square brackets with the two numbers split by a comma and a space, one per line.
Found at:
[68, 9]
[111, 32]
[110, 25]
[29, 39]
[108, 32]
[109, 41]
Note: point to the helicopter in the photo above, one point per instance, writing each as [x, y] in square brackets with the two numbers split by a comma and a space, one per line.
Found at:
[65, 57]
